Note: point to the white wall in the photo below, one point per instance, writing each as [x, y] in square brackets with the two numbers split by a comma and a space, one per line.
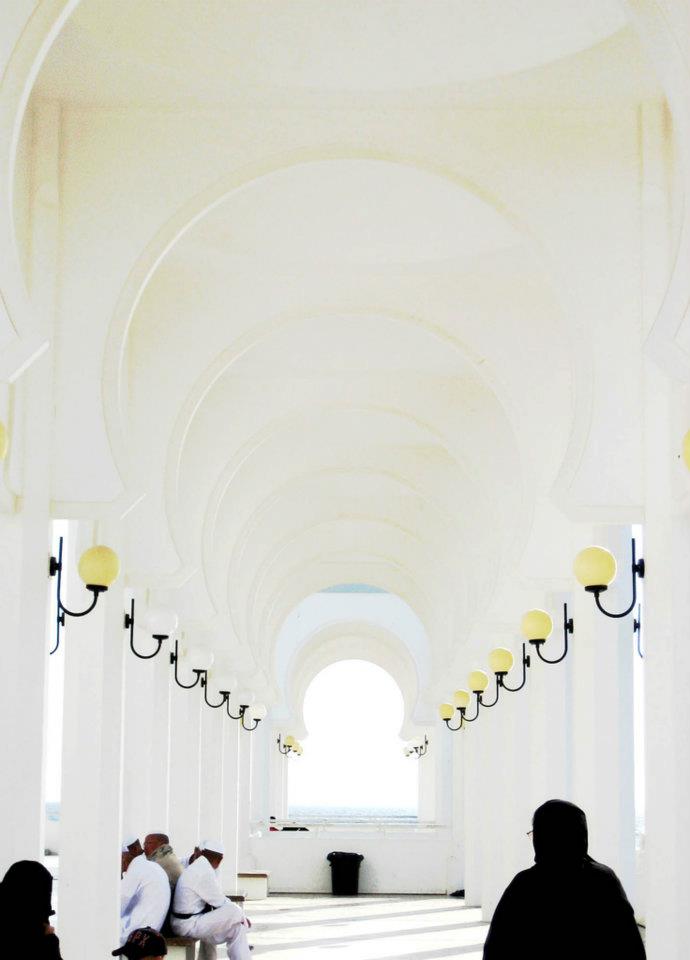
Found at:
[403, 861]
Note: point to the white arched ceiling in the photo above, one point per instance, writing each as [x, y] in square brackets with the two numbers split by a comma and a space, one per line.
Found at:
[355, 430]
[305, 45]
[343, 358]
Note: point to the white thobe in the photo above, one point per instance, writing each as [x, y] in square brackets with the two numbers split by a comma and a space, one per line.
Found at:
[224, 923]
[144, 896]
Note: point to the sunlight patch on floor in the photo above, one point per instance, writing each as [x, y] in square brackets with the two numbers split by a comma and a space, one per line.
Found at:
[365, 928]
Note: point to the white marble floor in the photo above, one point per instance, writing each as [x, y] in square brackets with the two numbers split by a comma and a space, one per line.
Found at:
[364, 928]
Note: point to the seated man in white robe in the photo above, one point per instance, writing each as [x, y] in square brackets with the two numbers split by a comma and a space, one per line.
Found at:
[201, 910]
[144, 892]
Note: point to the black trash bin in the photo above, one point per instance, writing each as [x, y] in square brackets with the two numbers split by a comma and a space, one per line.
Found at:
[345, 873]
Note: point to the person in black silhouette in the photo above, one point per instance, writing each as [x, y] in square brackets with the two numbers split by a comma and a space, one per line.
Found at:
[25, 911]
[567, 905]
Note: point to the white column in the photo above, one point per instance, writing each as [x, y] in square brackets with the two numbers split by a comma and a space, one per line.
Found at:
[667, 664]
[245, 799]
[138, 756]
[550, 737]
[231, 781]
[456, 861]
[602, 720]
[90, 837]
[279, 767]
[474, 791]
[159, 757]
[185, 717]
[25, 536]
[263, 748]
[211, 782]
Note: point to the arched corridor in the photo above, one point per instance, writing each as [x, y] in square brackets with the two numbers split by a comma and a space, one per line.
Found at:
[333, 332]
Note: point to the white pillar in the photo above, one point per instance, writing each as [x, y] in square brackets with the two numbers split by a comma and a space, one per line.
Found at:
[245, 799]
[474, 792]
[138, 756]
[211, 782]
[25, 536]
[602, 720]
[159, 692]
[91, 766]
[185, 718]
[456, 861]
[231, 780]
[667, 664]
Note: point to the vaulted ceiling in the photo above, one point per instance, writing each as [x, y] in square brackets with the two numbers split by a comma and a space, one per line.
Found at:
[339, 295]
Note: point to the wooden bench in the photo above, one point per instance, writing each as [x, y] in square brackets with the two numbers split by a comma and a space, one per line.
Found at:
[181, 947]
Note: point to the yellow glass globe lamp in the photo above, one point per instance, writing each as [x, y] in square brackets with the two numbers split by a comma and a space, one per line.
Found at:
[595, 568]
[461, 699]
[536, 626]
[446, 711]
[686, 449]
[4, 441]
[478, 681]
[501, 660]
[99, 567]
[290, 741]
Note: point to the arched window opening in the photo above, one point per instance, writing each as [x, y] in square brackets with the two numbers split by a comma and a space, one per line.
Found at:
[353, 767]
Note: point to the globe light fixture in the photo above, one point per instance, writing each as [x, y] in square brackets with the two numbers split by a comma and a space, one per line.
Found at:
[98, 567]
[501, 662]
[461, 699]
[595, 568]
[160, 623]
[537, 627]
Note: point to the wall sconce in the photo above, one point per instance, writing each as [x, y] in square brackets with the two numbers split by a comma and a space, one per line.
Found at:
[4, 441]
[501, 662]
[595, 568]
[160, 623]
[226, 683]
[461, 701]
[289, 745]
[537, 627]
[254, 713]
[98, 567]
[196, 656]
[419, 747]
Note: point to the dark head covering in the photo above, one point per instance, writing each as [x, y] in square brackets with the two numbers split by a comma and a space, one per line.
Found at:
[25, 909]
[559, 835]
[541, 914]
[26, 890]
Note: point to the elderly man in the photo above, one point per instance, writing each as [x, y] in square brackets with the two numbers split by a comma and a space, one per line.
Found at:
[201, 910]
[158, 850]
[145, 891]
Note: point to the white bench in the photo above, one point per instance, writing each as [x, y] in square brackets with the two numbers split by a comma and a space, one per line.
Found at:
[253, 884]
